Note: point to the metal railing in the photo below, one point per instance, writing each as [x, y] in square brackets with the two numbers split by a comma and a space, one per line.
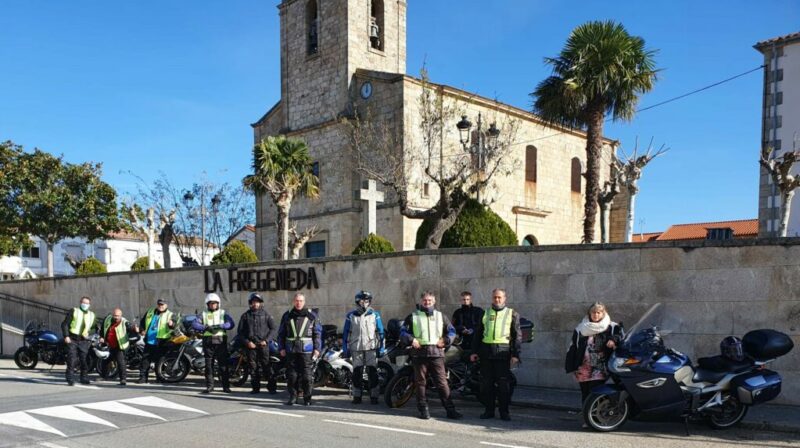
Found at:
[16, 312]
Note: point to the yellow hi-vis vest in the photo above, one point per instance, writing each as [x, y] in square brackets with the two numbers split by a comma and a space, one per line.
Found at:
[211, 318]
[427, 329]
[81, 322]
[301, 334]
[121, 330]
[497, 326]
[162, 332]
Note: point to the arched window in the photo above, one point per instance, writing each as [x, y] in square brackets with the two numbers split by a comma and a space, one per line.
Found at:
[576, 175]
[530, 164]
[376, 25]
[312, 27]
[530, 240]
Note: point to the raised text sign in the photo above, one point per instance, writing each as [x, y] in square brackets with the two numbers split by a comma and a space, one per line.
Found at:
[272, 279]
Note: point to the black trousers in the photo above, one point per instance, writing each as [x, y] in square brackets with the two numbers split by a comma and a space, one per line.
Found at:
[434, 366]
[258, 359]
[152, 353]
[77, 352]
[495, 376]
[118, 355]
[372, 377]
[219, 353]
[587, 386]
[299, 373]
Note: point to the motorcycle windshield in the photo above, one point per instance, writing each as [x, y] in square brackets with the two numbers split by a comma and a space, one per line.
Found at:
[30, 327]
[647, 333]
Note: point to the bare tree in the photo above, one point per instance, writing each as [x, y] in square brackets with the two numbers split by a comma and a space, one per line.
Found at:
[780, 169]
[631, 172]
[605, 198]
[403, 160]
[147, 227]
[298, 240]
[166, 235]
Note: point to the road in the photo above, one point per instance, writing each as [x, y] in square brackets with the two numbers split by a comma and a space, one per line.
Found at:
[37, 409]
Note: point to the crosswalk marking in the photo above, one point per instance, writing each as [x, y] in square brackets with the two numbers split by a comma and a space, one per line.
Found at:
[385, 428]
[23, 420]
[160, 403]
[286, 414]
[71, 413]
[119, 408]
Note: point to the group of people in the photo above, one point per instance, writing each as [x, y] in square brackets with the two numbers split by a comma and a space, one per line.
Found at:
[493, 335]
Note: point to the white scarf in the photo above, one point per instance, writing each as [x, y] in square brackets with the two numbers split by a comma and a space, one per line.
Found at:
[589, 328]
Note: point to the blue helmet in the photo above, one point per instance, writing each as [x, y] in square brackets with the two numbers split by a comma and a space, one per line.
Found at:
[363, 295]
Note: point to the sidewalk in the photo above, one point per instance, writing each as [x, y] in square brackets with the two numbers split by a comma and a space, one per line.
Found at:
[770, 417]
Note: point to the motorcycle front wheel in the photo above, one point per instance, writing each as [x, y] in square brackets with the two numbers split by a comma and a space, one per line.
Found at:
[109, 368]
[399, 390]
[26, 358]
[239, 373]
[729, 414]
[603, 413]
[172, 369]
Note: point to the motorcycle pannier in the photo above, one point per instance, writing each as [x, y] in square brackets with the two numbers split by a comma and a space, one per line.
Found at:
[757, 387]
[527, 329]
[763, 345]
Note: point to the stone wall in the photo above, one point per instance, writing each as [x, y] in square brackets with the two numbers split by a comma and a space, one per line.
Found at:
[710, 290]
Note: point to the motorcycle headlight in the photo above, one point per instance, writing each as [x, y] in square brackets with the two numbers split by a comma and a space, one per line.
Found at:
[617, 364]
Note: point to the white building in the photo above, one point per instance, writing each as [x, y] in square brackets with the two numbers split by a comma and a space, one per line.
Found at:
[780, 125]
[118, 252]
[247, 235]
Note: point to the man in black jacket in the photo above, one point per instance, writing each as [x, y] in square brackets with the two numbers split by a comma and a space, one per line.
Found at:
[78, 324]
[256, 330]
[466, 319]
[497, 344]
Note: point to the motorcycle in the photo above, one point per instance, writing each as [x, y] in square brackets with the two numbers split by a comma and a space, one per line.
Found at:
[133, 358]
[650, 380]
[184, 355]
[42, 344]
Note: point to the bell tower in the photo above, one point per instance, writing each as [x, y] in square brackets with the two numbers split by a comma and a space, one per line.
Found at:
[323, 43]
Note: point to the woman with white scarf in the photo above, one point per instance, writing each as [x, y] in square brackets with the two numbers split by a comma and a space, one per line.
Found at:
[594, 339]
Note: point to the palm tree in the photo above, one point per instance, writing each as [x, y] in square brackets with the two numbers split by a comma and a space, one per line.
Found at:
[282, 168]
[601, 70]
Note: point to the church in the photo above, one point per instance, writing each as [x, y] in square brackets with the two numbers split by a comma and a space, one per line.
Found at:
[337, 54]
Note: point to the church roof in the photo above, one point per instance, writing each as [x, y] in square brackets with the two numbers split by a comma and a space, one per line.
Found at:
[266, 115]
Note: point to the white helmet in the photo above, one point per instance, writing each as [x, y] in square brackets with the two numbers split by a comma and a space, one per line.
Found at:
[212, 297]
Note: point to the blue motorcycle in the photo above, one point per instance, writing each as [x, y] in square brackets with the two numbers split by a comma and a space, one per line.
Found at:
[42, 344]
[650, 381]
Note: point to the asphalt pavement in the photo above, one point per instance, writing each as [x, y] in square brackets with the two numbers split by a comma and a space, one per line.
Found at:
[38, 409]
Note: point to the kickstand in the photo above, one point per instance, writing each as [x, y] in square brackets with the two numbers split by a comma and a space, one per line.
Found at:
[686, 425]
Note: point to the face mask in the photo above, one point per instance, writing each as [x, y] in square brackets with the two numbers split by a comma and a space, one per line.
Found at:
[84, 306]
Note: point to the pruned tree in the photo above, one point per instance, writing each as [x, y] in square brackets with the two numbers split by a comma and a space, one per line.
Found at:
[166, 235]
[146, 226]
[605, 198]
[405, 159]
[282, 169]
[630, 172]
[298, 240]
[780, 169]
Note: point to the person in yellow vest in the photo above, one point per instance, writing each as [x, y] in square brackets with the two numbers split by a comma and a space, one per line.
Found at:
[213, 324]
[77, 326]
[115, 334]
[497, 344]
[429, 332]
[299, 341]
[156, 328]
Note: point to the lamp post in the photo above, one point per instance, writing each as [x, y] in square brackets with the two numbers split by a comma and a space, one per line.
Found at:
[485, 143]
[215, 201]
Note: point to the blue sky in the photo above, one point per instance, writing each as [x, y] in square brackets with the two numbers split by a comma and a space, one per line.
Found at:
[173, 86]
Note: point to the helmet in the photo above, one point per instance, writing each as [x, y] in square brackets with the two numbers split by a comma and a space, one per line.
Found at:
[731, 348]
[212, 297]
[363, 295]
[255, 296]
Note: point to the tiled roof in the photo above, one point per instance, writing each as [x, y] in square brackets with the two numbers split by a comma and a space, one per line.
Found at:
[780, 39]
[645, 237]
[135, 236]
[746, 228]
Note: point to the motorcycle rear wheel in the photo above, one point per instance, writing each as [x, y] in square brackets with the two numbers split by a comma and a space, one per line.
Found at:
[170, 371]
[731, 413]
[26, 358]
[239, 374]
[399, 390]
[601, 412]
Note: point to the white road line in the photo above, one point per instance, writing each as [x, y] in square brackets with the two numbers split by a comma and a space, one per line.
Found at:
[364, 425]
[23, 420]
[71, 413]
[51, 445]
[160, 403]
[120, 408]
[503, 445]
[286, 414]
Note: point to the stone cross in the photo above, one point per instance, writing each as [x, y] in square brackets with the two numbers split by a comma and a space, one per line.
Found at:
[372, 196]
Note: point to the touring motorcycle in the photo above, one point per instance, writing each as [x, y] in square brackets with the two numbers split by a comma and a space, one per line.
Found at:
[43, 344]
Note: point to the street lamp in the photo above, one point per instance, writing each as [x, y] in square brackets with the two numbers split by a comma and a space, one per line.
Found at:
[485, 143]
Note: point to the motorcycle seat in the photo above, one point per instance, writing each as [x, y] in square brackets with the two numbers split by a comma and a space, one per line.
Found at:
[702, 375]
[714, 368]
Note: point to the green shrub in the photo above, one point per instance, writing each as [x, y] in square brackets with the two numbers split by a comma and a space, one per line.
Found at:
[373, 244]
[476, 226]
[91, 265]
[141, 264]
[235, 252]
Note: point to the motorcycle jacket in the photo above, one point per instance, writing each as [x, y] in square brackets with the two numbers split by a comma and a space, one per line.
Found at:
[467, 318]
[427, 318]
[300, 332]
[498, 334]
[256, 326]
[363, 330]
[219, 323]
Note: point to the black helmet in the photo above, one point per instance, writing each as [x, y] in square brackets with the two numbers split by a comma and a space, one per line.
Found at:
[731, 348]
[363, 295]
[255, 296]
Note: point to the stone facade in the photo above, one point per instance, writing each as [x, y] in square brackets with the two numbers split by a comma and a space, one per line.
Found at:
[319, 88]
[709, 289]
